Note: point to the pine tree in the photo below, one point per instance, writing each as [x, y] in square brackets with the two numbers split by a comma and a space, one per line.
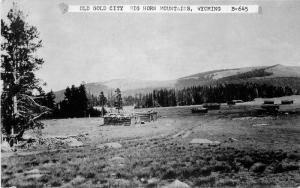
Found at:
[103, 101]
[118, 100]
[82, 101]
[20, 111]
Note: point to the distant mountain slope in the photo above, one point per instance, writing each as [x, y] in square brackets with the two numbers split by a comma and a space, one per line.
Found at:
[132, 84]
[249, 74]
[96, 88]
[278, 75]
[217, 74]
[127, 86]
[284, 71]
[91, 88]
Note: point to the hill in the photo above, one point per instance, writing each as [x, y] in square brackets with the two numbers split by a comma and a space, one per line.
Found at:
[278, 75]
[91, 88]
[127, 86]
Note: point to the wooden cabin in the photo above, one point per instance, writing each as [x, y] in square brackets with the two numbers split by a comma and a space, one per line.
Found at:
[284, 102]
[199, 110]
[212, 106]
[268, 102]
[146, 116]
[269, 108]
[117, 120]
[237, 101]
[231, 102]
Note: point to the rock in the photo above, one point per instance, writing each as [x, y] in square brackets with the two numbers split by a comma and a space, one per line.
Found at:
[227, 182]
[120, 183]
[153, 181]
[143, 180]
[28, 136]
[34, 173]
[72, 142]
[5, 147]
[269, 169]
[204, 141]
[258, 167]
[186, 134]
[117, 161]
[177, 184]
[77, 180]
[233, 139]
[114, 145]
[178, 134]
[260, 125]
[34, 176]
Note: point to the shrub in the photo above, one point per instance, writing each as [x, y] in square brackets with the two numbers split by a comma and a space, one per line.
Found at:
[247, 161]
[222, 167]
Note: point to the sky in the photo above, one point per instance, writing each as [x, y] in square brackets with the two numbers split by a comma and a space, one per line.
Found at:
[81, 47]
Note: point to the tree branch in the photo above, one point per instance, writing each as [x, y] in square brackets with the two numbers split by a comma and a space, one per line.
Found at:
[35, 103]
[38, 116]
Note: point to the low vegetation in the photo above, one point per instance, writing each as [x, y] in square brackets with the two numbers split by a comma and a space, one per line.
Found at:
[244, 158]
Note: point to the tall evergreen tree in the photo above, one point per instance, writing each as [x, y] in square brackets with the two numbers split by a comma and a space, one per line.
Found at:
[82, 101]
[103, 101]
[20, 111]
[118, 101]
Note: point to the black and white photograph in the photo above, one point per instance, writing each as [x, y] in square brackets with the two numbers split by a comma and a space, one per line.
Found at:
[150, 93]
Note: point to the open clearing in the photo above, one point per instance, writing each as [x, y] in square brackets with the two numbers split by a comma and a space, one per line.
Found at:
[247, 151]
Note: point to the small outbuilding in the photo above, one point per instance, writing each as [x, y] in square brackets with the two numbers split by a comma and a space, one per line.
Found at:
[146, 116]
[268, 101]
[212, 106]
[237, 101]
[284, 102]
[199, 110]
[117, 119]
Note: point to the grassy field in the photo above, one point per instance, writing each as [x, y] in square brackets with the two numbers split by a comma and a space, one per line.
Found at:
[254, 151]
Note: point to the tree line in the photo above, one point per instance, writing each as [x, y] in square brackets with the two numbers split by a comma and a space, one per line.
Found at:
[218, 93]
[76, 103]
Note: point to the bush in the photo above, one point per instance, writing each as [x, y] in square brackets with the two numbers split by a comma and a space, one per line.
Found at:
[247, 161]
[222, 167]
[284, 167]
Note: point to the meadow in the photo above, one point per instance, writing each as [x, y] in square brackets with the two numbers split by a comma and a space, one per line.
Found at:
[253, 151]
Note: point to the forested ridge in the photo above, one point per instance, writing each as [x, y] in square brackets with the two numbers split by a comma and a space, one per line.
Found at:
[218, 93]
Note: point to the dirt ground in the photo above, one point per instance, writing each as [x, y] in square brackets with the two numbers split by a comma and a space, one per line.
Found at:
[248, 151]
